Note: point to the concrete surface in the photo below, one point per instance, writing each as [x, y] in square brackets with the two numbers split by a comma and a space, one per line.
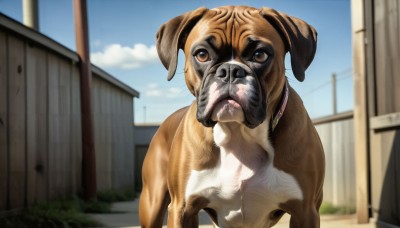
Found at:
[125, 214]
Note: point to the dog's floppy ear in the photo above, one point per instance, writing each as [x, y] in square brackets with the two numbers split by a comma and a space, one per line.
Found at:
[300, 39]
[172, 35]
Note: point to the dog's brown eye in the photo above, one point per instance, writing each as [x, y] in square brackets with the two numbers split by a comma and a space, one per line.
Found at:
[202, 56]
[260, 56]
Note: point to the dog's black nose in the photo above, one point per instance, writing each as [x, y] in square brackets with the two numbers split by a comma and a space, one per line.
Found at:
[229, 72]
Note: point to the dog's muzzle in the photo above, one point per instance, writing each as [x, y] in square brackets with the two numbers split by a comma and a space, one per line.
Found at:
[231, 92]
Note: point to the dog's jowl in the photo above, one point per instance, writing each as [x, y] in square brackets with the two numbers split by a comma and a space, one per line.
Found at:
[245, 150]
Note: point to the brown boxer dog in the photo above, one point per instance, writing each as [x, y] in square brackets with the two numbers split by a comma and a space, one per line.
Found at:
[246, 150]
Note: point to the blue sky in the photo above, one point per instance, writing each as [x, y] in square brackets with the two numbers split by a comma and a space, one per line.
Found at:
[122, 42]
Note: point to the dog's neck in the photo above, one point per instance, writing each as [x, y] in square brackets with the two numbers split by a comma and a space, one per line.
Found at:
[235, 135]
[229, 133]
[281, 107]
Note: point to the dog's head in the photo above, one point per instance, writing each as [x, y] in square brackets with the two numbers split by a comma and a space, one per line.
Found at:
[235, 59]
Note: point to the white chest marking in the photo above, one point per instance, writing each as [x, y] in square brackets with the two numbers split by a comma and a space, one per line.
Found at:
[245, 187]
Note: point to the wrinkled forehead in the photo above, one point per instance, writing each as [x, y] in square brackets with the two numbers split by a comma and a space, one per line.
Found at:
[233, 27]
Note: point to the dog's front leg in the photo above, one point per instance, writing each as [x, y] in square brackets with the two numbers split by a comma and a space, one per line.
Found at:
[179, 217]
[153, 205]
[308, 218]
[174, 215]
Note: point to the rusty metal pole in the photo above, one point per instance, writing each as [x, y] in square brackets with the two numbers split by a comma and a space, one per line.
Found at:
[334, 96]
[88, 153]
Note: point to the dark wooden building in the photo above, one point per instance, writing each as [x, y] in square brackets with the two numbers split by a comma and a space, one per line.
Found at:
[40, 121]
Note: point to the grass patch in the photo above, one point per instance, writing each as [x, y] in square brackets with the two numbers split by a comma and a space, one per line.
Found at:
[58, 213]
[329, 209]
[66, 212]
[115, 196]
[96, 207]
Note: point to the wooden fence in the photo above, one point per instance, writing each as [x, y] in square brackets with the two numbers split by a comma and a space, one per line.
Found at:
[40, 121]
[376, 48]
[337, 136]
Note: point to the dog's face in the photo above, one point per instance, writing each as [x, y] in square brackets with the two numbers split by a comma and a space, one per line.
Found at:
[230, 55]
[235, 59]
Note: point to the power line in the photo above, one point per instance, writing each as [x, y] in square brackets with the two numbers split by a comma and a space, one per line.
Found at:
[317, 88]
[346, 71]
[343, 75]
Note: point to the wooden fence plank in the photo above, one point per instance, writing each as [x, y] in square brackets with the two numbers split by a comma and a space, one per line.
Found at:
[36, 78]
[54, 127]
[325, 134]
[17, 120]
[128, 138]
[76, 144]
[117, 140]
[3, 123]
[387, 55]
[391, 120]
[108, 134]
[343, 148]
[380, 56]
[31, 78]
[376, 165]
[97, 134]
[395, 48]
[361, 139]
[104, 106]
[65, 125]
[119, 157]
[349, 161]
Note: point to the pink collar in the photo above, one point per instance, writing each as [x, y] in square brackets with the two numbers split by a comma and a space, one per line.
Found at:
[279, 114]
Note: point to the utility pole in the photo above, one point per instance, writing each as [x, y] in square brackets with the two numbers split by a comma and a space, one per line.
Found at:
[88, 154]
[30, 10]
[144, 114]
[334, 94]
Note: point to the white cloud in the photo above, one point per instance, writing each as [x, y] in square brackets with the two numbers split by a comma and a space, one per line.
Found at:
[173, 92]
[153, 90]
[123, 57]
[96, 43]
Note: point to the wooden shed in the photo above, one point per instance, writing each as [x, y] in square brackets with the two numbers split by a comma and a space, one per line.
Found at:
[143, 136]
[40, 121]
[376, 52]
